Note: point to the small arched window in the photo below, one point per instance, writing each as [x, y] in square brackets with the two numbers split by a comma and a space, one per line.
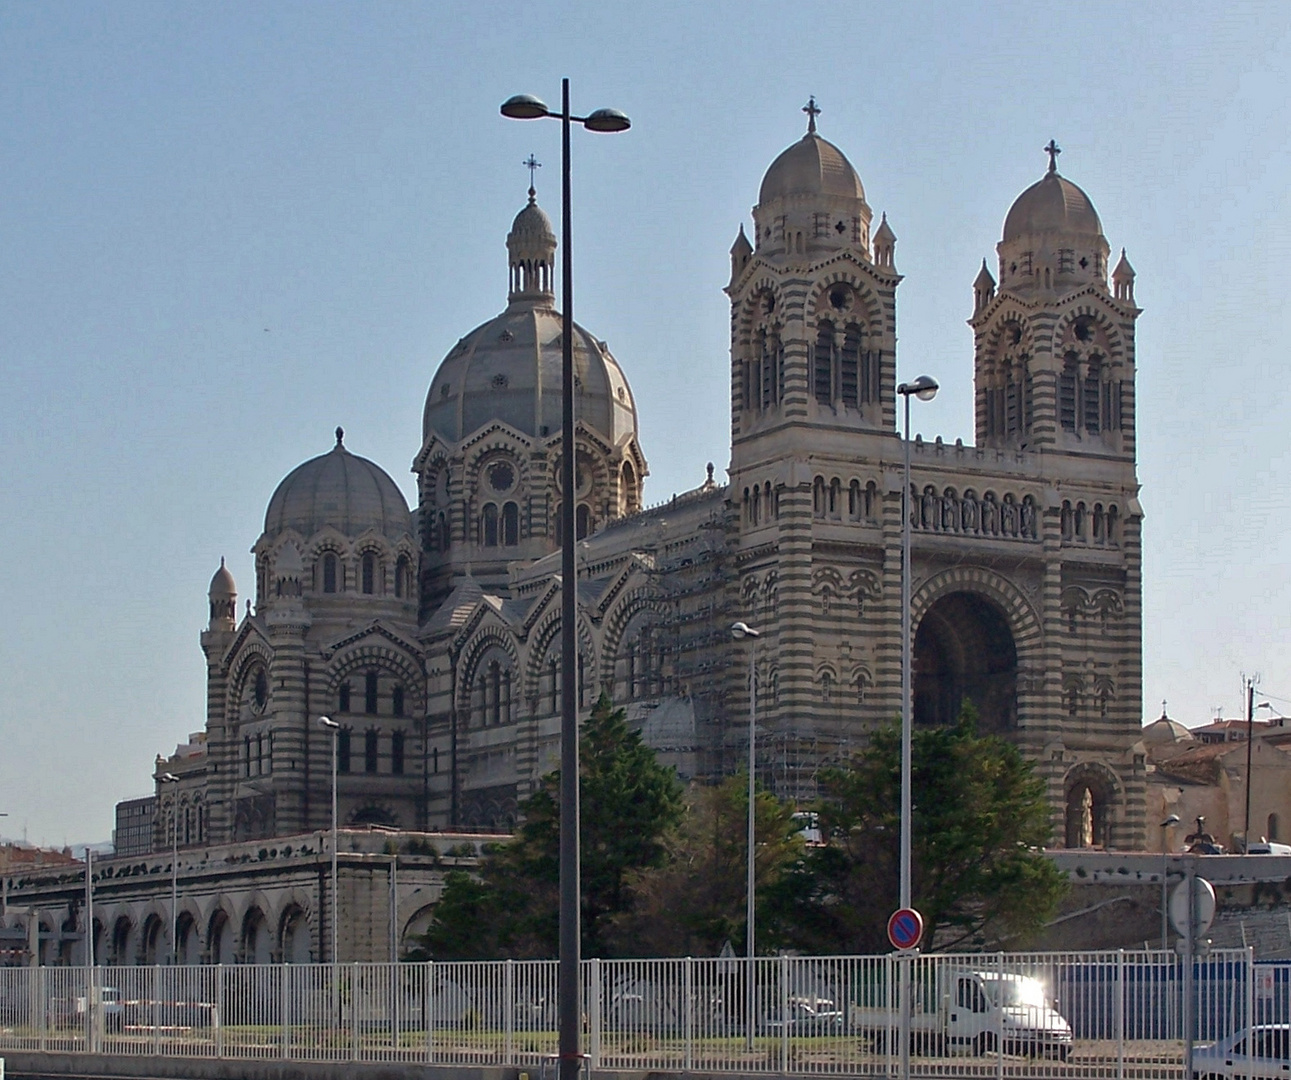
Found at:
[835, 497]
[818, 497]
[396, 701]
[343, 697]
[849, 364]
[396, 753]
[343, 750]
[582, 521]
[370, 693]
[369, 573]
[489, 525]
[403, 577]
[826, 687]
[510, 524]
[329, 573]
[370, 751]
[823, 369]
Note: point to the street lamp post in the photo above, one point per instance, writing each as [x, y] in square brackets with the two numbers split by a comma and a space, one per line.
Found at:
[740, 631]
[171, 778]
[335, 729]
[527, 107]
[1166, 825]
[925, 389]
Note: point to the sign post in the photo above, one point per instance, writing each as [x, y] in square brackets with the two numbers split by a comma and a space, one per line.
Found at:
[905, 931]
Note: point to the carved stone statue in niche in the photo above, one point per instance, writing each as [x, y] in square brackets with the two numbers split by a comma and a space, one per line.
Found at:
[949, 511]
[929, 508]
[1028, 518]
[1009, 517]
[990, 516]
[968, 512]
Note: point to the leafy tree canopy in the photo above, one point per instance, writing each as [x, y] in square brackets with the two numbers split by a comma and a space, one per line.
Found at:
[628, 805]
[980, 821]
[696, 901]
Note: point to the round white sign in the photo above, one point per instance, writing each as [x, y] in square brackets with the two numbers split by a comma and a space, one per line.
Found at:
[1203, 906]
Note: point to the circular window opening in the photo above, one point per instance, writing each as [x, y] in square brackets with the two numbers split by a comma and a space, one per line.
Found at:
[501, 476]
[839, 300]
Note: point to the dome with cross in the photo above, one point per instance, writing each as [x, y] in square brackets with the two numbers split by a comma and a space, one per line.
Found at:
[509, 369]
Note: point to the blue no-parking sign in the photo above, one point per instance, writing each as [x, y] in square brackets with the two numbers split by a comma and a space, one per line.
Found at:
[905, 928]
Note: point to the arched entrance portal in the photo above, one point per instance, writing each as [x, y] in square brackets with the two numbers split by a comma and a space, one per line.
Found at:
[964, 649]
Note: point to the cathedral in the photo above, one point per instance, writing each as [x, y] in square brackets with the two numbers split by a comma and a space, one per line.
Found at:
[431, 635]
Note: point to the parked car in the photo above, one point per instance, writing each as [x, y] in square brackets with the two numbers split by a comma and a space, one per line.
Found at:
[807, 1016]
[1229, 1057]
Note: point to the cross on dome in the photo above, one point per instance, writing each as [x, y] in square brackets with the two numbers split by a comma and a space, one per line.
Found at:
[531, 163]
[812, 110]
[1053, 150]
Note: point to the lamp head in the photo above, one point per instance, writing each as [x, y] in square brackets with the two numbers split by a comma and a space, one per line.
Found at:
[742, 630]
[524, 107]
[1173, 819]
[605, 121]
[328, 722]
[925, 388]
[168, 778]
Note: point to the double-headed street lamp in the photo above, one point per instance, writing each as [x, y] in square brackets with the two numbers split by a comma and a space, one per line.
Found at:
[527, 107]
[335, 729]
[925, 389]
[171, 778]
[740, 631]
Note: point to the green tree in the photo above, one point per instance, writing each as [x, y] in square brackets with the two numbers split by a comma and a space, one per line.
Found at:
[696, 901]
[628, 805]
[980, 823]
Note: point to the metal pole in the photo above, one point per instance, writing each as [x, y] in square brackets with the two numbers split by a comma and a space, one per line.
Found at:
[89, 908]
[336, 904]
[568, 1002]
[174, 880]
[1250, 724]
[750, 977]
[1189, 1005]
[906, 724]
[1165, 899]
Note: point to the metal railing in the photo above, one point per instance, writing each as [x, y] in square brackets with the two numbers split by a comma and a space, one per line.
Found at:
[1085, 1014]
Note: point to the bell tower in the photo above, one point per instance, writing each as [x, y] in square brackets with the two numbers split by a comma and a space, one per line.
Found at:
[1054, 347]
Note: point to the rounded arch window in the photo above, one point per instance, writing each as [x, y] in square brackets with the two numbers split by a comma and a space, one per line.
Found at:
[368, 569]
[260, 689]
[582, 521]
[330, 576]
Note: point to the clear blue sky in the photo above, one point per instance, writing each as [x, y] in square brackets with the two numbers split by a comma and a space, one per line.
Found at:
[226, 228]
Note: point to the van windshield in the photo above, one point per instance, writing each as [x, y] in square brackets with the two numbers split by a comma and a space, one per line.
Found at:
[1016, 992]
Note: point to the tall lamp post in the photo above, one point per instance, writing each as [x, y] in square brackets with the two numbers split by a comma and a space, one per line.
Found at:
[740, 631]
[527, 107]
[1166, 826]
[925, 389]
[335, 730]
[171, 778]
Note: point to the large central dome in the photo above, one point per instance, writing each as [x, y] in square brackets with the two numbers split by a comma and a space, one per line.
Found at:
[509, 369]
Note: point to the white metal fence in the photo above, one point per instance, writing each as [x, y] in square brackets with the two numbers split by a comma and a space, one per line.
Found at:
[1109, 1014]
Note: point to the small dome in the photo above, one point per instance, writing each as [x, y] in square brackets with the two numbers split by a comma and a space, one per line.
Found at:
[1166, 732]
[1052, 204]
[811, 166]
[342, 490]
[223, 586]
[532, 224]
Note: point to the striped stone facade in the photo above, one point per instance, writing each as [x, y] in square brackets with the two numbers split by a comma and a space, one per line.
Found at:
[432, 636]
